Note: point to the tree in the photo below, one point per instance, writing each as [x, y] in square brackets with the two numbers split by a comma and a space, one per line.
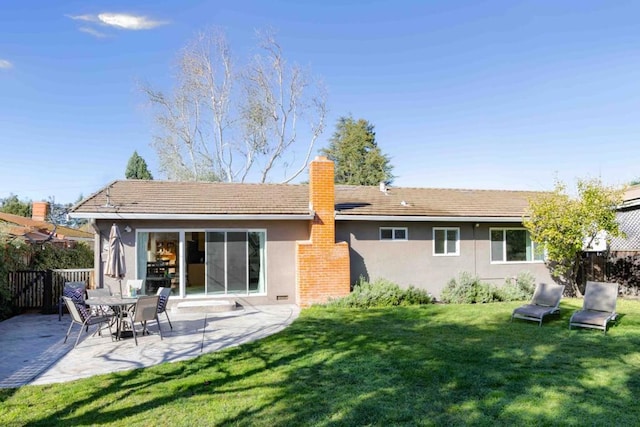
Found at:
[565, 225]
[137, 168]
[358, 159]
[15, 206]
[223, 121]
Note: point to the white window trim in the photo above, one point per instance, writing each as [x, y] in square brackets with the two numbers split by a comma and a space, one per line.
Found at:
[393, 234]
[445, 229]
[504, 247]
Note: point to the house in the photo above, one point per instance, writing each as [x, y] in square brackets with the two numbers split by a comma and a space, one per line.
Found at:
[270, 243]
[38, 230]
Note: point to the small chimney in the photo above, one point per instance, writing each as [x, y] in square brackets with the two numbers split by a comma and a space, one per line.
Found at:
[383, 187]
[40, 211]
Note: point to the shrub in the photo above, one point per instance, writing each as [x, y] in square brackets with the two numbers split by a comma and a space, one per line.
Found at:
[381, 293]
[467, 289]
[517, 288]
[12, 256]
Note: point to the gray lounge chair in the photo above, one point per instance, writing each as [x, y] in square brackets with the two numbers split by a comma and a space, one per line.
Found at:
[545, 301]
[598, 307]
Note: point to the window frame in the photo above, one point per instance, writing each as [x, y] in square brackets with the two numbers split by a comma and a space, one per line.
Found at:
[446, 240]
[534, 247]
[393, 234]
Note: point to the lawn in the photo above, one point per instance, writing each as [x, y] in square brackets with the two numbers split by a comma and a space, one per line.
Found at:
[428, 365]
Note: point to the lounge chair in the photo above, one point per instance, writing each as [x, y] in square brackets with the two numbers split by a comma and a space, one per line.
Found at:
[545, 301]
[598, 307]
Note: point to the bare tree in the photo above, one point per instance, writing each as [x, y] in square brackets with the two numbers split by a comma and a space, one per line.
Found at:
[220, 123]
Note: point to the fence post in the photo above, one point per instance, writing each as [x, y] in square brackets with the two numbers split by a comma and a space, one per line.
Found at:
[47, 297]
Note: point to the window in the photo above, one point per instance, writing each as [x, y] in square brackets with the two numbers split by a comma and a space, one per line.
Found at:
[446, 241]
[514, 245]
[393, 233]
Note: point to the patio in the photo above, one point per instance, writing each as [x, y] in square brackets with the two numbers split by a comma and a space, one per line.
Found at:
[34, 353]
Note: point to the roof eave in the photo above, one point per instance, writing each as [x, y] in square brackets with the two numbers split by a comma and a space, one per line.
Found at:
[427, 218]
[205, 217]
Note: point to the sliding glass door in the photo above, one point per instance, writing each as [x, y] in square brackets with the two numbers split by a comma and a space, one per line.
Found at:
[235, 262]
[215, 262]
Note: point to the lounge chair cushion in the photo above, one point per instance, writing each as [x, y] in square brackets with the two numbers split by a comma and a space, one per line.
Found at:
[591, 317]
[535, 311]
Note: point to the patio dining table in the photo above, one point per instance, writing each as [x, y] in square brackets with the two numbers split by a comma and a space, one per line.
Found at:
[118, 304]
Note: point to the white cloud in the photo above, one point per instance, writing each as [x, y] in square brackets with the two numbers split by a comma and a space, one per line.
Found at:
[93, 32]
[88, 18]
[129, 22]
[122, 21]
[4, 64]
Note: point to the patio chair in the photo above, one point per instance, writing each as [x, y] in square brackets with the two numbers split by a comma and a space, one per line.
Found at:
[164, 294]
[146, 308]
[598, 307]
[83, 317]
[545, 301]
[74, 290]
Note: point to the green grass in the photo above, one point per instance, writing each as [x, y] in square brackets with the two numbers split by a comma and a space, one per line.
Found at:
[427, 365]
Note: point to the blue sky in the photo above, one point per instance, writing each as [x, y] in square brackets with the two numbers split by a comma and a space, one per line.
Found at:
[462, 94]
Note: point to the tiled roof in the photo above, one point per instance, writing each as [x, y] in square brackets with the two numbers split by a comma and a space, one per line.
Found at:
[30, 224]
[173, 197]
[170, 197]
[360, 200]
[632, 194]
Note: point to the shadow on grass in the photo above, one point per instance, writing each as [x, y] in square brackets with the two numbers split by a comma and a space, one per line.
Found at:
[402, 366]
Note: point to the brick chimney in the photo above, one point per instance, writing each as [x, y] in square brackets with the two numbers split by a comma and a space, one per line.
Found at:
[322, 265]
[40, 211]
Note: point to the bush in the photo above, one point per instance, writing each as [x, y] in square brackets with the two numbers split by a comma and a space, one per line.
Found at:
[381, 293]
[12, 256]
[517, 288]
[467, 289]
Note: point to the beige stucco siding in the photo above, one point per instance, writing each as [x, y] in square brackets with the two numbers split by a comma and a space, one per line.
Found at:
[412, 262]
[280, 246]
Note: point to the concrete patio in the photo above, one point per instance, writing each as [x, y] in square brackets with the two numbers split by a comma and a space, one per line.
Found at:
[33, 351]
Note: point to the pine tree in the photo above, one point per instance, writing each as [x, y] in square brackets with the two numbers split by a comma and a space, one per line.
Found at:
[358, 159]
[137, 168]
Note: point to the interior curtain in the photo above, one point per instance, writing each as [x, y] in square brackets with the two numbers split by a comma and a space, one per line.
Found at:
[263, 266]
[141, 256]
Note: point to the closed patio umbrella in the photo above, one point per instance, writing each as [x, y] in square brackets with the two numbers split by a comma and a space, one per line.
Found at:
[115, 256]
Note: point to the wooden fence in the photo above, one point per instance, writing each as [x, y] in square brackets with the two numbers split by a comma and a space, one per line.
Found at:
[41, 290]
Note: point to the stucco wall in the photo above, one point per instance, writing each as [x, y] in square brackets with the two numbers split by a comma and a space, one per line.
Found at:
[412, 262]
[281, 251]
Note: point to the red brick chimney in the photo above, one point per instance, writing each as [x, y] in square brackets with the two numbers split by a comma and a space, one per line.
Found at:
[40, 211]
[322, 265]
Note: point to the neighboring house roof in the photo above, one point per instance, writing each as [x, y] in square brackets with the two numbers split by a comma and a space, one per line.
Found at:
[170, 199]
[629, 222]
[40, 230]
[631, 196]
